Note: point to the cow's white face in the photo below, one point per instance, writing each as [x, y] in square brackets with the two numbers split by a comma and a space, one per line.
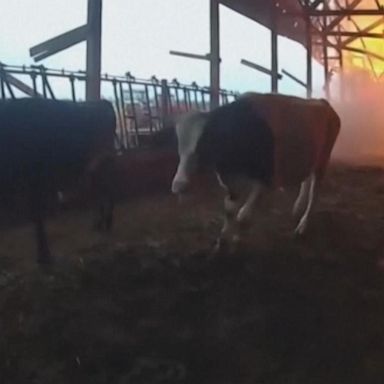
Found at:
[188, 131]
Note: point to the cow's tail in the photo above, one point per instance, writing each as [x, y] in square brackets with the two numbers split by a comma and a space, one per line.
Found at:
[332, 130]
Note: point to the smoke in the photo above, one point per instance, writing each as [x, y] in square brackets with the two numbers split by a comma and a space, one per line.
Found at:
[358, 99]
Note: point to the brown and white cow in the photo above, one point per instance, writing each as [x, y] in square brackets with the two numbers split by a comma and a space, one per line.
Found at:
[273, 140]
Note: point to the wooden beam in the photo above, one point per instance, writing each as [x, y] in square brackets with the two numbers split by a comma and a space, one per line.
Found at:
[94, 50]
[214, 54]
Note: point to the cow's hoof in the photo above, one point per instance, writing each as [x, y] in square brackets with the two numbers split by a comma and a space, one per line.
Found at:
[301, 229]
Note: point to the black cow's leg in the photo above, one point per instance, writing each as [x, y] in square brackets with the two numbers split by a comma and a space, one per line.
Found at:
[102, 182]
[43, 253]
[104, 215]
[243, 217]
[108, 219]
[303, 223]
[98, 223]
[231, 207]
[302, 199]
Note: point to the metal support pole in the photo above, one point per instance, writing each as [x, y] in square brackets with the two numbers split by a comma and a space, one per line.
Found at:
[165, 103]
[326, 71]
[274, 50]
[341, 75]
[2, 80]
[325, 61]
[94, 49]
[215, 53]
[309, 56]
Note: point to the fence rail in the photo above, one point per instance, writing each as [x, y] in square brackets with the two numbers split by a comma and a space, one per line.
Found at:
[142, 106]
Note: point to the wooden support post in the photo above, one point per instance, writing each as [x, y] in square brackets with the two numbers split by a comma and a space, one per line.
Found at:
[94, 49]
[274, 49]
[214, 54]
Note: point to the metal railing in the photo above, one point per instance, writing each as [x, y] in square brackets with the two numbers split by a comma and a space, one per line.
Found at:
[142, 106]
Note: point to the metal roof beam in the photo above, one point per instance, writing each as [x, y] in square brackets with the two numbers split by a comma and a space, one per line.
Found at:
[58, 43]
[346, 12]
[294, 78]
[364, 30]
[365, 52]
[365, 47]
[355, 35]
[340, 12]
[21, 86]
[352, 49]
[259, 68]
[338, 19]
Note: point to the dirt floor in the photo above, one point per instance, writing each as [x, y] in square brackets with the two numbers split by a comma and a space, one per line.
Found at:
[147, 305]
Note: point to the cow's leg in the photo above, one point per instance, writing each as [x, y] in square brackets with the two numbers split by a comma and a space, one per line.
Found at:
[101, 212]
[108, 219]
[231, 207]
[104, 215]
[101, 183]
[303, 223]
[243, 217]
[302, 199]
[37, 207]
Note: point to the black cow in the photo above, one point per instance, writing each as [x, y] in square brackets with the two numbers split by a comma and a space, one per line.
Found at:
[48, 145]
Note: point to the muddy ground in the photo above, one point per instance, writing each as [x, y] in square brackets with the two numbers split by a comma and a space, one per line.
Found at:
[147, 305]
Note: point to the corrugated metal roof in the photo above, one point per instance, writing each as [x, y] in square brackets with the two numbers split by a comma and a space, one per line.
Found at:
[292, 27]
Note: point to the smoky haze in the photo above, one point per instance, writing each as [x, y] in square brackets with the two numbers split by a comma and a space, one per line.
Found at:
[358, 100]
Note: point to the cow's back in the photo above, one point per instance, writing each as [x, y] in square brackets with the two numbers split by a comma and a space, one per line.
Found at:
[304, 133]
[51, 137]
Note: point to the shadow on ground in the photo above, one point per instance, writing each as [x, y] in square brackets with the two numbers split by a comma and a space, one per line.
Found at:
[148, 304]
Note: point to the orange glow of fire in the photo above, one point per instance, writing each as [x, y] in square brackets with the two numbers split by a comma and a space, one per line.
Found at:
[355, 60]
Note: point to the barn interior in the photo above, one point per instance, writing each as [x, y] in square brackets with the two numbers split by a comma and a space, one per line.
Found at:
[148, 303]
